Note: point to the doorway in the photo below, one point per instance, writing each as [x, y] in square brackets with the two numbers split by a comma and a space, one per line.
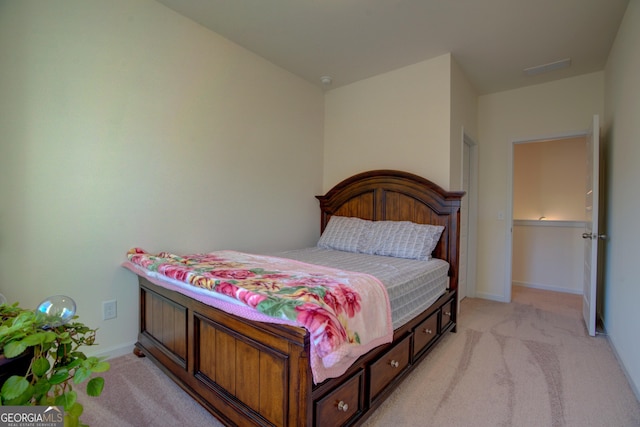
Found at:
[546, 215]
[468, 219]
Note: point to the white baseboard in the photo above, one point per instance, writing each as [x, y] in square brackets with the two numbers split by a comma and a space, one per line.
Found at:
[491, 297]
[501, 298]
[112, 352]
[547, 287]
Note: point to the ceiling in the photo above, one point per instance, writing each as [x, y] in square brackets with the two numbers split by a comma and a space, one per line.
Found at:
[349, 40]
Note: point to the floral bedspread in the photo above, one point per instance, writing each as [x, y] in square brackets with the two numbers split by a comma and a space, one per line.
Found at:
[346, 313]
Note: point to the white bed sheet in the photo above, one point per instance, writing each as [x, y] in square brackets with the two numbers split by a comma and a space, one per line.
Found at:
[412, 285]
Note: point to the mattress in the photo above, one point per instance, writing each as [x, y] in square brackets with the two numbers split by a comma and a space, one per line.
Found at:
[412, 285]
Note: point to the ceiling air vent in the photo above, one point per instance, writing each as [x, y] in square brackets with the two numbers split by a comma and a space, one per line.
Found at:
[545, 68]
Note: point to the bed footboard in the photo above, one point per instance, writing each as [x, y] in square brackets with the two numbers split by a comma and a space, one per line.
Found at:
[242, 374]
[258, 374]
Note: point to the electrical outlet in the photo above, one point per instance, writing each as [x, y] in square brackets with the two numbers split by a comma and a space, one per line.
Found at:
[109, 310]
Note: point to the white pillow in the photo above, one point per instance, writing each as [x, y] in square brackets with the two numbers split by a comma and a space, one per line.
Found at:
[345, 234]
[403, 239]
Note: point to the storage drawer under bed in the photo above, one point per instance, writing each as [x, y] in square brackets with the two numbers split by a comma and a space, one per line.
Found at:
[448, 316]
[388, 367]
[425, 333]
[342, 404]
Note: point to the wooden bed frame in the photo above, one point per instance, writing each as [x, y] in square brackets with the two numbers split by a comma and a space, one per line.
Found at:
[200, 347]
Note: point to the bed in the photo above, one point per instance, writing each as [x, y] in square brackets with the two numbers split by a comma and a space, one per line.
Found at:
[257, 373]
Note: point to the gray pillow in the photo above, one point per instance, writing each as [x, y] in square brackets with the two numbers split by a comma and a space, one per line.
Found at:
[403, 239]
[345, 234]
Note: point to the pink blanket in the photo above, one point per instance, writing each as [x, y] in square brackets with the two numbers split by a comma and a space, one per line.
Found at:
[347, 314]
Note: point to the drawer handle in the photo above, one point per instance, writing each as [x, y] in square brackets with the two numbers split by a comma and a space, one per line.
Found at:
[342, 406]
[427, 331]
[394, 363]
[447, 313]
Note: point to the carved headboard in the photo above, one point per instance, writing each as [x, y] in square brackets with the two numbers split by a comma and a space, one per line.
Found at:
[399, 196]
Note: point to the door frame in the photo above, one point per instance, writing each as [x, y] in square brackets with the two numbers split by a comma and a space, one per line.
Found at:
[468, 143]
[508, 218]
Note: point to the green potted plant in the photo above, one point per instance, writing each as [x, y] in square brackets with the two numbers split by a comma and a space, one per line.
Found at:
[51, 340]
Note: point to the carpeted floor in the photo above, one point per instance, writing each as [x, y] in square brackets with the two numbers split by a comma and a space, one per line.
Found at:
[527, 363]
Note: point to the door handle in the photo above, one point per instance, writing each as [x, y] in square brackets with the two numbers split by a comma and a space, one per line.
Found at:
[594, 236]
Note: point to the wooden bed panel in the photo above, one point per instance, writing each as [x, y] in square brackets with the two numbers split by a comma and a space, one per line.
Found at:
[251, 372]
[166, 322]
[249, 378]
[360, 206]
[258, 374]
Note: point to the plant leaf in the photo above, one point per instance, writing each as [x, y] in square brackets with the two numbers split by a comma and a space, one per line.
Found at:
[81, 374]
[63, 350]
[25, 318]
[101, 367]
[72, 416]
[78, 354]
[96, 364]
[49, 336]
[34, 339]
[75, 411]
[40, 366]
[14, 349]
[74, 364]
[95, 386]
[14, 387]
[59, 376]
[71, 421]
[67, 400]
[25, 398]
[41, 388]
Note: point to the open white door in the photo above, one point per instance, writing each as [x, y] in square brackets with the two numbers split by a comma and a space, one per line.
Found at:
[590, 235]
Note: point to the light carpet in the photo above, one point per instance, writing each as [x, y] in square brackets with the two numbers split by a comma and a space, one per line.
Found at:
[527, 363]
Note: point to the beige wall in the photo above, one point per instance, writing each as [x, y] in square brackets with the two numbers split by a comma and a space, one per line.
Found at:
[548, 255]
[622, 136]
[409, 119]
[397, 120]
[549, 179]
[529, 113]
[464, 119]
[124, 124]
